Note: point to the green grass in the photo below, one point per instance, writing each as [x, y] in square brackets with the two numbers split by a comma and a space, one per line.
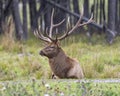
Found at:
[58, 88]
[22, 60]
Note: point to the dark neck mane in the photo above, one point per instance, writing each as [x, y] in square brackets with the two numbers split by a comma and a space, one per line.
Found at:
[59, 64]
[61, 55]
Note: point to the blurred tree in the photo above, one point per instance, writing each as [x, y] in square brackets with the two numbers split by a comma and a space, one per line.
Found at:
[40, 13]
[1, 15]
[25, 24]
[5, 12]
[117, 18]
[86, 8]
[101, 12]
[33, 14]
[111, 14]
[16, 17]
[111, 19]
[47, 16]
[7, 8]
[76, 9]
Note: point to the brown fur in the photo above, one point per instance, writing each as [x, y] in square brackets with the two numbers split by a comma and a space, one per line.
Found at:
[61, 65]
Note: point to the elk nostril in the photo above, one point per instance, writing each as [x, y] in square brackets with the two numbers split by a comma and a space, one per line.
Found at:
[41, 53]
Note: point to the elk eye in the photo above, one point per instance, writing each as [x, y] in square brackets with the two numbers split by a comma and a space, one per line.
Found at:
[51, 47]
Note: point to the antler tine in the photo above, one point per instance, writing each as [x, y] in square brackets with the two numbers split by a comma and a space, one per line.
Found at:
[39, 35]
[53, 25]
[89, 21]
[48, 35]
[78, 24]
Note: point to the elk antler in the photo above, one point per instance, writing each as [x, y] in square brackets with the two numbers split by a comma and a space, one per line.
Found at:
[53, 25]
[48, 37]
[78, 24]
[39, 35]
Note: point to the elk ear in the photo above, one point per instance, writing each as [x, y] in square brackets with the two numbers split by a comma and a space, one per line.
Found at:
[56, 40]
[58, 43]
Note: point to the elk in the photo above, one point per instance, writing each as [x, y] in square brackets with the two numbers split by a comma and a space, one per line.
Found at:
[61, 65]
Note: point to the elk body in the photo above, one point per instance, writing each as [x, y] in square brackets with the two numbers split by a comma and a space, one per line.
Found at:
[61, 65]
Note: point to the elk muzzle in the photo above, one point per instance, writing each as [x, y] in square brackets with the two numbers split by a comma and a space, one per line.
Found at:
[41, 53]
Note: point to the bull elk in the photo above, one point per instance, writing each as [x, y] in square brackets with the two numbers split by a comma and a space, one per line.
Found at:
[61, 65]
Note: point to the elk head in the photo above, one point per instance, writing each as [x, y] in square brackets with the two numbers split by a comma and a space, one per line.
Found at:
[53, 47]
[51, 50]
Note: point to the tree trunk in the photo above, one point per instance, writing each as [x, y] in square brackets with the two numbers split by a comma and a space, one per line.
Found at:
[16, 17]
[86, 8]
[69, 17]
[43, 17]
[101, 12]
[117, 18]
[47, 17]
[7, 8]
[97, 8]
[42, 7]
[1, 16]
[111, 19]
[33, 14]
[111, 14]
[25, 27]
[76, 9]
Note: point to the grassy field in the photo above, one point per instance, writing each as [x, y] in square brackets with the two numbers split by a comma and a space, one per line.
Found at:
[22, 60]
[23, 72]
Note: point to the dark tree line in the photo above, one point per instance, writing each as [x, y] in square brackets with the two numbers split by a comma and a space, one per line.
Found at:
[38, 12]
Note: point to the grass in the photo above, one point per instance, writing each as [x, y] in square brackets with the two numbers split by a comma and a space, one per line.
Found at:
[20, 61]
[97, 58]
[58, 88]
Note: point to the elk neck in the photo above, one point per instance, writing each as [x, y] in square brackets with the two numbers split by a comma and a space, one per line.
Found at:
[60, 64]
[59, 60]
[60, 55]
